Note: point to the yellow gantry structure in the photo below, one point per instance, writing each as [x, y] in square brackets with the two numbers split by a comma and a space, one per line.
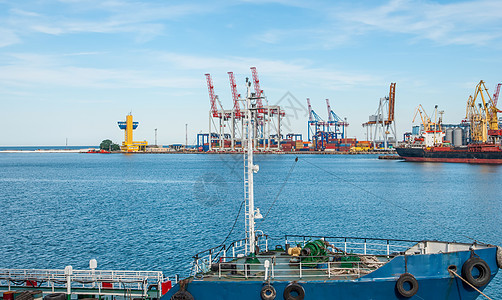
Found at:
[482, 116]
[128, 145]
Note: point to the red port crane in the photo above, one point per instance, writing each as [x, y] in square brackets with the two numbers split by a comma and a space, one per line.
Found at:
[212, 96]
[258, 90]
[235, 95]
[496, 95]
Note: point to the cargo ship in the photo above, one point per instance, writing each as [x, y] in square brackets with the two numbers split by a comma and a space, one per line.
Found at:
[472, 153]
[432, 143]
[331, 267]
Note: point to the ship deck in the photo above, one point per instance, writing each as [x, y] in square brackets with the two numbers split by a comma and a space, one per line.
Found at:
[282, 266]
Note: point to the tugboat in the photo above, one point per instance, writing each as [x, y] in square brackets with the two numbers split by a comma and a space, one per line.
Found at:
[324, 267]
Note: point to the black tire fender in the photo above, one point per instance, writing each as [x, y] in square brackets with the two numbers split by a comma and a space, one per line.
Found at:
[268, 292]
[499, 257]
[182, 295]
[294, 288]
[483, 269]
[413, 283]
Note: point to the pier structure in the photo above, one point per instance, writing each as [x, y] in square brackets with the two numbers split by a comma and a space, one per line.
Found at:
[128, 145]
[226, 127]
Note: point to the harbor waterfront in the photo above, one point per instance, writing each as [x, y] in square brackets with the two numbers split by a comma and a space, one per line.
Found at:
[142, 212]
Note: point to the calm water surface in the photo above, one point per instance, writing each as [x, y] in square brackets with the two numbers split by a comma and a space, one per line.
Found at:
[153, 212]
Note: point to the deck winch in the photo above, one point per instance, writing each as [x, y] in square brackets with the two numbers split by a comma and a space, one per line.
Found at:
[314, 251]
[315, 248]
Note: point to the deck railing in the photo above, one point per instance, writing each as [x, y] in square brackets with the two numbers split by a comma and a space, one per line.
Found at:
[203, 260]
[104, 282]
[280, 268]
[373, 246]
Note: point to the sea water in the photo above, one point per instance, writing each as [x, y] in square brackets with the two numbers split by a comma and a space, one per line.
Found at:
[154, 211]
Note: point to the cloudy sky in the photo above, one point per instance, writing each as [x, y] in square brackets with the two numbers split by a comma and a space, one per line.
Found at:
[73, 68]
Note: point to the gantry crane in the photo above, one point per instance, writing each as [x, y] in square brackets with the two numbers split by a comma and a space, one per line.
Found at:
[382, 124]
[317, 129]
[482, 116]
[335, 124]
[225, 126]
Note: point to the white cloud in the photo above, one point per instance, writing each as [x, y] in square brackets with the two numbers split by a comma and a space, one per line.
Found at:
[8, 37]
[144, 19]
[301, 71]
[472, 22]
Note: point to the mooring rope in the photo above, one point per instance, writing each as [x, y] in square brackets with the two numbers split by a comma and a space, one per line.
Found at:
[454, 273]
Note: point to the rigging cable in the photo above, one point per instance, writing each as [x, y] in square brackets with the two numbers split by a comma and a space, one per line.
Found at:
[386, 200]
[231, 229]
[282, 187]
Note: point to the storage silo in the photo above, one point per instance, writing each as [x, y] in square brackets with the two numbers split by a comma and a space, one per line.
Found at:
[457, 137]
[449, 135]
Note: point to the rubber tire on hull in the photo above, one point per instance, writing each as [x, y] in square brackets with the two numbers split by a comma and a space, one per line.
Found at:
[483, 268]
[268, 292]
[56, 296]
[410, 279]
[182, 295]
[296, 288]
[499, 257]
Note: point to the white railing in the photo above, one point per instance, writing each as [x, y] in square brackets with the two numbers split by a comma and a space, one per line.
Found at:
[365, 246]
[104, 281]
[202, 261]
[269, 267]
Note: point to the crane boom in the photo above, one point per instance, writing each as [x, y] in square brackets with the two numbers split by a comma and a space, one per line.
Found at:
[258, 90]
[496, 95]
[330, 117]
[311, 117]
[423, 116]
[392, 99]
[212, 96]
[235, 95]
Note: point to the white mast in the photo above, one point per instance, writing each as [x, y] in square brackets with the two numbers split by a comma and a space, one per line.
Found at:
[249, 169]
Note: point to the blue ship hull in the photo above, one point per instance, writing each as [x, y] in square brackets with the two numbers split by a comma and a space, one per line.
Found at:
[430, 271]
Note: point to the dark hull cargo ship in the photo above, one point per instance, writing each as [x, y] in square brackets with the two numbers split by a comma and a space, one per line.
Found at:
[473, 153]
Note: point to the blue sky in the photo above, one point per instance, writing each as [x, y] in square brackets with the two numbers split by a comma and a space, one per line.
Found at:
[73, 68]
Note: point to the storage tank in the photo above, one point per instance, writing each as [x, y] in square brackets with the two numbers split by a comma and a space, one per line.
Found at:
[457, 137]
[449, 135]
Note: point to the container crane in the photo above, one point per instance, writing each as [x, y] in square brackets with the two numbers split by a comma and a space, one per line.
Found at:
[212, 96]
[335, 124]
[258, 90]
[317, 132]
[235, 95]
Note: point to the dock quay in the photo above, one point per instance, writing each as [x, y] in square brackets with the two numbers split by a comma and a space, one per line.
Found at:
[98, 284]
